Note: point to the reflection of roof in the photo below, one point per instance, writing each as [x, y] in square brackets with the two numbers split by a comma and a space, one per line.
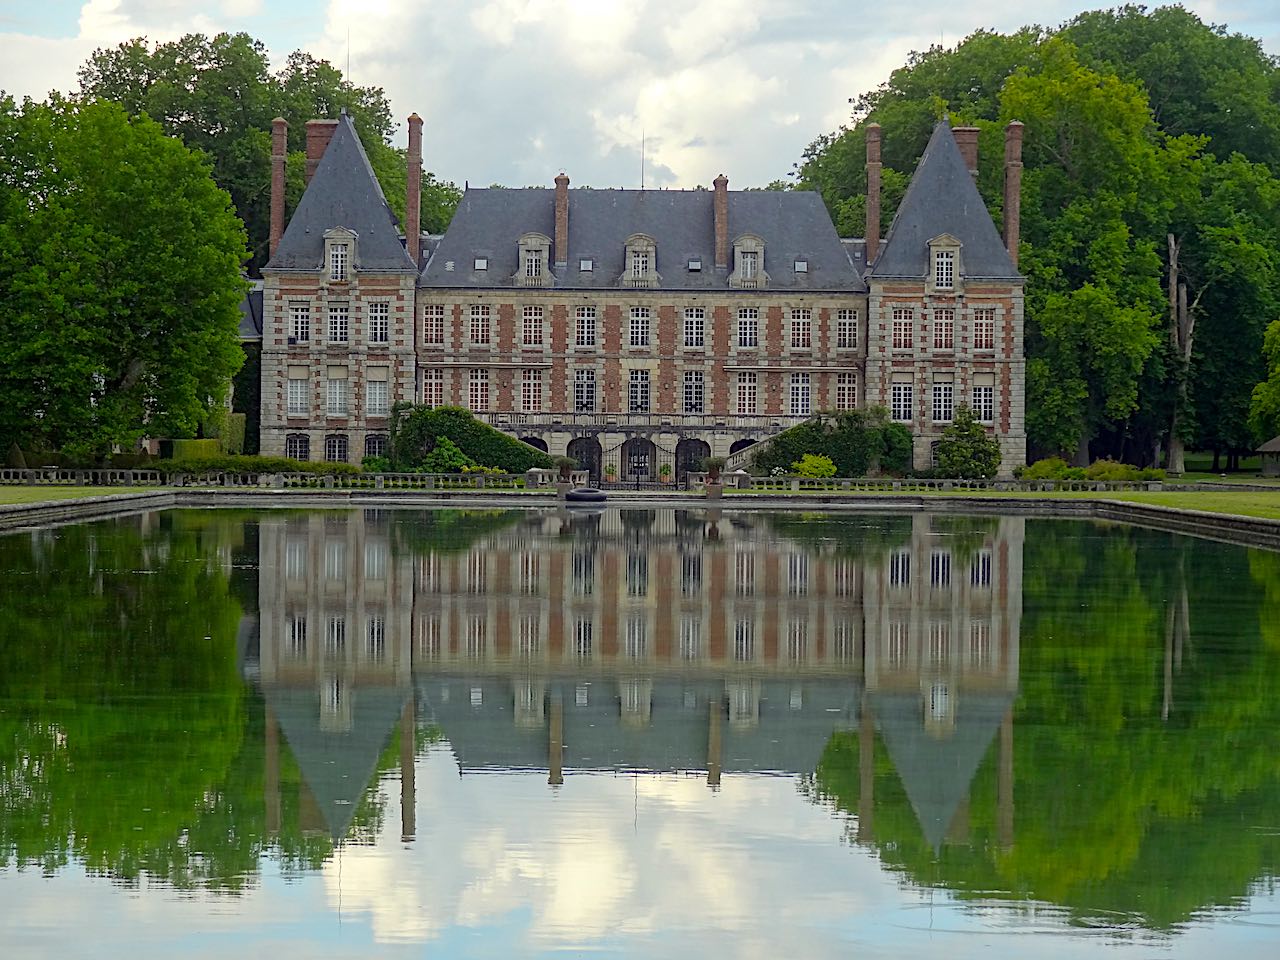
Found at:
[337, 767]
[936, 771]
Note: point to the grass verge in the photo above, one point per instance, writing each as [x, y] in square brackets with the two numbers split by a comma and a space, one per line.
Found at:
[10, 495]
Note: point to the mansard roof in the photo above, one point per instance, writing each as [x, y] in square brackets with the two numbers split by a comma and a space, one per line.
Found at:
[344, 192]
[794, 225]
[943, 199]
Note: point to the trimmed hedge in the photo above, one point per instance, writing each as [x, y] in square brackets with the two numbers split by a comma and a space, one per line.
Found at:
[856, 441]
[232, 435]
[1055, 468]
[417, 429]
[248, 464]
[196, 449]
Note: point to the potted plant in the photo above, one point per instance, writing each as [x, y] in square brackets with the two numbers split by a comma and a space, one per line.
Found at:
[564, 481]
[664, 473]
[611, 472]
[713, 466]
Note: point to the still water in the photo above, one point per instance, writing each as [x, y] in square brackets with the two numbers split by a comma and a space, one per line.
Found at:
[638, 733]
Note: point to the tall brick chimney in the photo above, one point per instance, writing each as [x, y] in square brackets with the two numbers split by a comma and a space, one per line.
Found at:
[279, 155]
[413, 190]
[873, 191]
[967, 141]
[1012, 188]
[319, 133]
[562, 220]
[720, 208]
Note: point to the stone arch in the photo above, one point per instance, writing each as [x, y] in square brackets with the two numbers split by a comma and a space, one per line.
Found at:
[535, 442]
[741, 445]
[690, 452]
[639, 459]
[586, 450]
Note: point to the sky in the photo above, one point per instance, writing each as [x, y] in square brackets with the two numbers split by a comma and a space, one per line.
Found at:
[514, 91]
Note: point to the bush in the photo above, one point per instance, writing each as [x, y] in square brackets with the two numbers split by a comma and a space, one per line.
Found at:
[446, 457]
[232, 434]
[1112, 470]
[416, 432]
[1055, 468]
[814, 465]
[15, 458]
[248, 464]
[376, 465]
[965, 451]
[1050, 468]
[196, 449]
[858, 442]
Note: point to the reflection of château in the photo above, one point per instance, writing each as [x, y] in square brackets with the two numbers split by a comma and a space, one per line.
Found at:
[640, 639]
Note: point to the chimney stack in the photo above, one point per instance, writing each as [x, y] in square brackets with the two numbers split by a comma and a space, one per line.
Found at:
[319, 133]
[967, 141]
[279, 155]
[873, 192]
[413, 191]
[562, 220]
[1012, 188]
[720, 207]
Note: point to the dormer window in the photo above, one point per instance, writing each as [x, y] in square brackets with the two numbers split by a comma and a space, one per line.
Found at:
[532, 264]
[748, 263]
[641, 262]
[944, 264]
[339, 254]
[533, 270]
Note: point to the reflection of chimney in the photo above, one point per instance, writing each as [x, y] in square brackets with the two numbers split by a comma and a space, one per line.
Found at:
[873, 191]
[1012, 188]
[408, 793]
[967, 141]
[413, 190]
[720, 208]
[866, 775]
[555, 743]
[562, 219]
[279, 154]
[715, 708]
[271, 775]
[319, 133]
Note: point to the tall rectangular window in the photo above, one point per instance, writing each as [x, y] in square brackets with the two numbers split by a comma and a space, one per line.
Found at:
[980, 569]
[432, 387]
[640, 323]
[586, 332]
[749, 327]
[299, 398]
[433, 325]
[944, 329]
[750, 264]
[846, 329]
[747, 390]
[801, 397]
[339, 322]
[902, 399]
[481, 330]
[379, 396]
[337, 397]
[694, 391]
[902, 333]
[846, 391]
[297, 446]
[695, 327]
[638, 391]
[532, 264]
[532, 333]
[584, 391]
[531, 391]
[339, 254]
[984, 328]
[744, 573]
[639, 264]
[984, 402]
[478, 390]
[375, 644]
[940, 568]
[944, 269]
[690, 638]
[300, 322]
[744, 640]
[801, 329]
[379, 322]
[943, 401]
[900, 569]
[336, 449]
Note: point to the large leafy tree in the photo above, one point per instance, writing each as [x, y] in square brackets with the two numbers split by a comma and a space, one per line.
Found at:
[119, 279]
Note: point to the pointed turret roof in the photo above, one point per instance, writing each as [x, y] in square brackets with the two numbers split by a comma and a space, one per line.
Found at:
[343, 193]
[943, 199]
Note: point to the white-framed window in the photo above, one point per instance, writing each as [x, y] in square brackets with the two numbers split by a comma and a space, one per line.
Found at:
[586, 266]
[980, 569]
[695, 327]
[298, 637]
[748, 389]
[801, 266]
[900, 569]
[984, 402]
[984, 328]
[582, 572]
[903, 319]
[944, 269]
[339, 259]
[338, 397]
[638, 391]
[432, 387]
[583, 629]
[797, 641]
[584, 390]
[478, 390]
[297, 446]
[532, 332]
[750, 261]
[846, 329]
[797, 574]
[532, 264]
[379, 322]
[938, 649]
[335, 559]
[339, 322]
[531, 391]
[690, 574]
[940, 568]
[944, 329]
[529, 566]
[300, 322]
[744, 573]
[981, 653]
[801, 329]
[637, 574]
[585, 335]
[375, 639]
[902, 401]
[481, 328]
[690, 638]
[639, 264]
[529, 638]
[480, 263]
[433, 324]
[897, 644]
[744, 640]
[846, 391]
[336, 636]
[641, 321]
[299, 396]
[375, 445]
[378, 394]
[943, 401]
[801, 395]
[335, 449]
[694, 391]
[749, 327]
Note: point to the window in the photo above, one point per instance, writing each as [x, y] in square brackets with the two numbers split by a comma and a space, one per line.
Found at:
[478, 391]
[586, 332]
[846, 391]
[582, 631]
[801, 329]
[582, 569]
[637, 574]
[846, 329]
[432, 387]
[339, 254]
[335, 449]
[690, 638]
[939, 649]
[902, 320]
[984, 402]
[902, 399]
[940, 568]
[900, 570]
[695, 327]
[695, 264]
[744, 640]
[797, 641]
[529, 563]
[744, 573]
[944, 329]
[639, 332]
[379, 322]
[298, 637]
[529, 639]
[433, 324]
[531, 391]
[690, 574]
[797, 574]
[984, 328]
[532, 264]
[584, 391]
[335, 559]
[749, 327]
[980, 569]
[297, 446]
[299, 399]
[638, 391]
[750, 264]
[980, 650]
[694, 391]
[336, 637]
[375, 445]
[481, 263]
[337, 397]
[943, 401]
[747, 383]
[639, 264]
[375, 643]
[801, 400]
[339, 322]
[532, 331]
[300, 322]
[379, 398]
[802, 266]
[480, 329]
[586, 266]
[944, 269]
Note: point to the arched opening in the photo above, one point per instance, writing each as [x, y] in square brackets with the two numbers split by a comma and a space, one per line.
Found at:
[297, 446]
[639, 460]
[535, 442]
[689, 456]
[586, 450]
[375, 445]
[741, 445]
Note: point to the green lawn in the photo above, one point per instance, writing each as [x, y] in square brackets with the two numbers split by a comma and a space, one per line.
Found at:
[10, 494]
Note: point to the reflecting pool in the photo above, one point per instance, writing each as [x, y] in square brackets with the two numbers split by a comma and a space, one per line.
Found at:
[647, 733]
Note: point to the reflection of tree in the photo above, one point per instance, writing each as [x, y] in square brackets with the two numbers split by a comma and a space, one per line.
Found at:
[856, 536]
[447, 531]
[1118, 806]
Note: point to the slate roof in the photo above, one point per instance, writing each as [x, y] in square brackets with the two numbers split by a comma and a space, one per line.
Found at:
[251, 313]
[344, 192]
[794, 225]
[1271, 446]
[942, 198]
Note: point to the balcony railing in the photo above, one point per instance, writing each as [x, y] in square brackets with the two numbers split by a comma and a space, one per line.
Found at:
[756, 423]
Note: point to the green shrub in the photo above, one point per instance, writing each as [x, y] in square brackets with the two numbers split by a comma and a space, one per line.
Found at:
[1073, 473]
[15, 458]
[416, 432]
[1112, 470]
[814, 465]
[196, 449]
[965, 451]
[1050, 468]
[376, 465]
[248, 464]
[858, 442]
[446, 457]
[232, 435]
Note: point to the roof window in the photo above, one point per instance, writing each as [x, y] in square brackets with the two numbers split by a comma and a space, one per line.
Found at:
[802, 266]
[482, 263]
[586, 265]
[695, 264]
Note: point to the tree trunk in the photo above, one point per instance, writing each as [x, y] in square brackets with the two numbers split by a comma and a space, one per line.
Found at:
[1081, 458]
[1177, 449]
[1217, 459]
